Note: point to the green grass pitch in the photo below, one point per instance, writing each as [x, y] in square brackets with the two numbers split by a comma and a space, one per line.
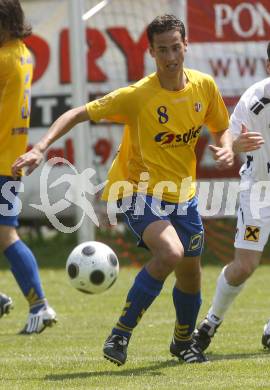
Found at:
[69, 356]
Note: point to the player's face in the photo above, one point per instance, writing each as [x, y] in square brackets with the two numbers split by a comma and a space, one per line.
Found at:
[168, 50]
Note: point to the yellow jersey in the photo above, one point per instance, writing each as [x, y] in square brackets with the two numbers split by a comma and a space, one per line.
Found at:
[15, 94]
[161, 132]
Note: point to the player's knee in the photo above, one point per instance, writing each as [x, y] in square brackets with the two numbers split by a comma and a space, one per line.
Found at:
[166, 262]
[245, 269]
[172, 257]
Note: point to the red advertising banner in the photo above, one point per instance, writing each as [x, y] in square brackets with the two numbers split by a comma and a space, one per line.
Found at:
[228, 20]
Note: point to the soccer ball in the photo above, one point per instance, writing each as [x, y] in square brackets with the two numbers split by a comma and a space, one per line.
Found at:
[92, 267]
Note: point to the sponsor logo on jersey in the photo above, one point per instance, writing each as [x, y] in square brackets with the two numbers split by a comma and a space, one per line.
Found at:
[173, 140]
[165, 137]
[252, 233]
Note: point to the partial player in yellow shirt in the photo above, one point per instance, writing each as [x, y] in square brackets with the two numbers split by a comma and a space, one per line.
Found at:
[163, 116]
[15, 93]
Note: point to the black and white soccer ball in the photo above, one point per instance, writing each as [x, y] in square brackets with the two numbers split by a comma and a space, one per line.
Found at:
[92, 267]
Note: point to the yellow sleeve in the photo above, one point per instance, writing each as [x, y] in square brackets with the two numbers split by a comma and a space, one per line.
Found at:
[217, 117]
[118, 106]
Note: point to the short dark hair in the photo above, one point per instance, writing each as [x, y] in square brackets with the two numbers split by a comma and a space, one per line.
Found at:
[12, 19]
[268, 51]
[165, 23]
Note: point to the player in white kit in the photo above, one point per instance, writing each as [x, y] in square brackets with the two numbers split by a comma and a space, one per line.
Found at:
[250, 126]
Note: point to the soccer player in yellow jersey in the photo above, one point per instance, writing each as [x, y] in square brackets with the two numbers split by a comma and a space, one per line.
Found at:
[15, 89]
[163, 116]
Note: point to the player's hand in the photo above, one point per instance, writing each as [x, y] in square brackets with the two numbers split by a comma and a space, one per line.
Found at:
[247, 141]
[223, 156]
[31, 160]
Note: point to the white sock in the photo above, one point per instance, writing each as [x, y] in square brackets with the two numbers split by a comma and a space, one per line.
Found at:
[224, 296]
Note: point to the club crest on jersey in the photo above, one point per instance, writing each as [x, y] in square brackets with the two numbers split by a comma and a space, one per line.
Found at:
[252, 233]
[198, 107]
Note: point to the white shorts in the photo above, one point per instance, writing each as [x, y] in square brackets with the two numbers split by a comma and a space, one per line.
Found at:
[251, 233]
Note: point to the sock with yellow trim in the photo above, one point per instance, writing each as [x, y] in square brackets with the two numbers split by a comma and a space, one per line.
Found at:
[143, 292]
[187, 307]
[24, 267]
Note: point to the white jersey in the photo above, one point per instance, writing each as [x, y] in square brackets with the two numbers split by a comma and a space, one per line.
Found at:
[253, 110]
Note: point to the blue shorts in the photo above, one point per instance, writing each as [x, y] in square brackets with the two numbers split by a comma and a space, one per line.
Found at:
[141, 210]
[8, 201]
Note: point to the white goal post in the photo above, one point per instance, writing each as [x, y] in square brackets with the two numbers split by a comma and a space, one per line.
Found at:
[82, 144]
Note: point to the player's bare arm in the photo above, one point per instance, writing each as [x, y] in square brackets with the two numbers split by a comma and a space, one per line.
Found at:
[247, 141]
[222, 151]
[61, 126]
